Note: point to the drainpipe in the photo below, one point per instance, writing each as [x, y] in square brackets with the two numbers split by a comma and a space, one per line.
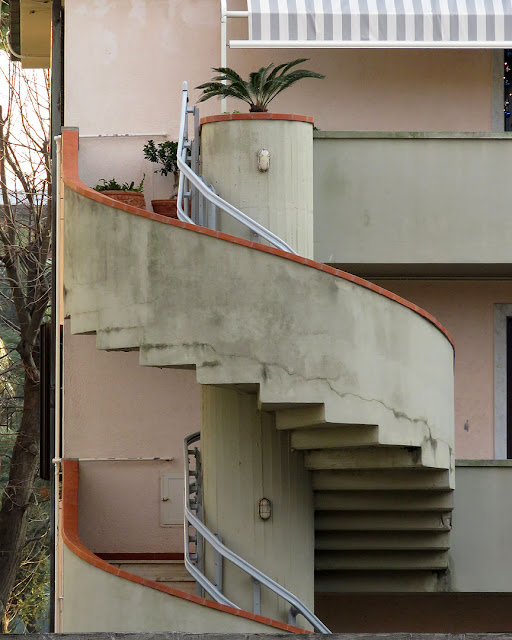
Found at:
[57, 96]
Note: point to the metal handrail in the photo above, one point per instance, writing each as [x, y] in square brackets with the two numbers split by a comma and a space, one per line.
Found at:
[256, 574]
[187, 172]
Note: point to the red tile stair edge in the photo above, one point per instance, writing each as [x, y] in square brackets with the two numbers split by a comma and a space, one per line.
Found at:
[70, 177]
[129, 557]
[75, 545]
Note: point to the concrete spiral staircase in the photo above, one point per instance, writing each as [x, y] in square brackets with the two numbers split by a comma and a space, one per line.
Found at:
[363, 382]
[382, 516]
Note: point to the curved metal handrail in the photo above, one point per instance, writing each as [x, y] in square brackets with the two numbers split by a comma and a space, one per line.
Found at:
[194, 179]
[258, 575]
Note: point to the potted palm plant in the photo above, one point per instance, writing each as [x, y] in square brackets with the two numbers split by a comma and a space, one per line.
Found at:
[165, 154]
[261, 88]
[260, 162]
[126, 193]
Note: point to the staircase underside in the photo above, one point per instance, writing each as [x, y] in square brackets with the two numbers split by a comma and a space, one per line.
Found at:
[363, 383]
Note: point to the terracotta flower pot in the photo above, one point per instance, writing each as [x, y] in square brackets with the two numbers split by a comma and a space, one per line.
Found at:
[133, 198]
[167, 208]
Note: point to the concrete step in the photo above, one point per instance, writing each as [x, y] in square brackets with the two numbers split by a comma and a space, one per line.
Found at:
[369, 540]
[380, 560]
[363, 458]
[170, 572]
[381, 521]
[310, 417]
[335, 437]
[383, 501]
[384, 480]
[300, 418]
[418, 581]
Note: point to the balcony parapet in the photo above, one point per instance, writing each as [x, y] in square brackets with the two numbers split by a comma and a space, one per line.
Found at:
[402, 203]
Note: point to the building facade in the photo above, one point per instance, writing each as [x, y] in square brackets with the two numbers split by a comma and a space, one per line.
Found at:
[324, 384]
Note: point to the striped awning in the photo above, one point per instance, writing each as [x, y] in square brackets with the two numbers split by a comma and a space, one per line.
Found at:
[381, 23]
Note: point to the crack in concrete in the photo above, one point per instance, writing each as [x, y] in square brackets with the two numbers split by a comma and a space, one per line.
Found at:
[266, 374]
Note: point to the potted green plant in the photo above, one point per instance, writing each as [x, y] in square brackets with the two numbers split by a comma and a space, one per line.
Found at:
[165, 154]
[264, 165]
[127, 192]
[261, 88]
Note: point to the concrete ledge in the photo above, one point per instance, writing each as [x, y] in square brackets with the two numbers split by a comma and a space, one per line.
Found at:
[412, 135]
[483, 463]
[260, 636]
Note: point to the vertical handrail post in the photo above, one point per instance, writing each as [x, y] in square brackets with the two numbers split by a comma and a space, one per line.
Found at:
[194, 162]
[256, 597]
[292, 616]
[218, 566]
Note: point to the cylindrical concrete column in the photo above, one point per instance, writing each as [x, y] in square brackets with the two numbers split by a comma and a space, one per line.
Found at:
[246, 459]
[280, 198]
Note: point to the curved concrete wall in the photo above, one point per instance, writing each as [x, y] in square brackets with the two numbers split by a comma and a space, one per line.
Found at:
[98, 601]
[327, 339]
[281, 199]
[466, 308]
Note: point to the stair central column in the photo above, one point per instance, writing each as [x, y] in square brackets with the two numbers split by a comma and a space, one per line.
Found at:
[262, 163]
[245, 459]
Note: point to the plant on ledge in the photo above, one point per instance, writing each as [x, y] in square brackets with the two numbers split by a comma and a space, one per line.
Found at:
[113, 185]
[126, 193]
[262, 87]
[166, 155]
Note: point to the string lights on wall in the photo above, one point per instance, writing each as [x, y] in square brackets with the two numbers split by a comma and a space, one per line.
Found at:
[507, 82]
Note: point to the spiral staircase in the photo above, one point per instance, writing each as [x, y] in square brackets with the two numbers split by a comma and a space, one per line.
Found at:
[361, 379]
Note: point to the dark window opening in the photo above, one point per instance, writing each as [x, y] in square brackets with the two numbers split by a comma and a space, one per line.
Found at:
[507, 90]
[509, 388]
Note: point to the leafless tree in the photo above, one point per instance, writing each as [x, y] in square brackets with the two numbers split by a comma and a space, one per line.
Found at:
[25, 253]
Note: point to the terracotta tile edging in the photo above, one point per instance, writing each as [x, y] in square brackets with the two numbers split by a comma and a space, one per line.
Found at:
[224, 117]
[72, 541]
[136, 557]
[71, 179]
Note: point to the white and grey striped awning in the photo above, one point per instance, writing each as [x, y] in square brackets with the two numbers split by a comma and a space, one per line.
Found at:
[380, 23]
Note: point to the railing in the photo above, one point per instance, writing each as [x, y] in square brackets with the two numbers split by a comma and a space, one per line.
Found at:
[191, 184]
[193, 561]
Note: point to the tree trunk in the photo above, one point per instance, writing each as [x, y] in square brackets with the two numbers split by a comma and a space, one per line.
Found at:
[5, 623]
[17, 498]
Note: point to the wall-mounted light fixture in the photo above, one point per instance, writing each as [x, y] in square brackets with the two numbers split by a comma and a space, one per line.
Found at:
[263, 160]
[265, 508]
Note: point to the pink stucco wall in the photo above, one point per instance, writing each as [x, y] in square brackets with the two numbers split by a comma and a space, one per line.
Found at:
[130, 58]
[466, 308]
[115, 407]
[370, 90]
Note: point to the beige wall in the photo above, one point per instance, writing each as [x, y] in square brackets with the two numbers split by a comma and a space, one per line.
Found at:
[466, 308]
[125, 61]
[115, 407]
[480, 556]
[408, 199]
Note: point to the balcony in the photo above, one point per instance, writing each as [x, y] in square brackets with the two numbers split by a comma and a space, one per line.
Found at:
[413, 203]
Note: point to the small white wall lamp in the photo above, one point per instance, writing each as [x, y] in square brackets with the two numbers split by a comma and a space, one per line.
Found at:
[263, 160]
[265, 508]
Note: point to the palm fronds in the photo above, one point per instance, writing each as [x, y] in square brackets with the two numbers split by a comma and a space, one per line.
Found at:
[262, 87]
